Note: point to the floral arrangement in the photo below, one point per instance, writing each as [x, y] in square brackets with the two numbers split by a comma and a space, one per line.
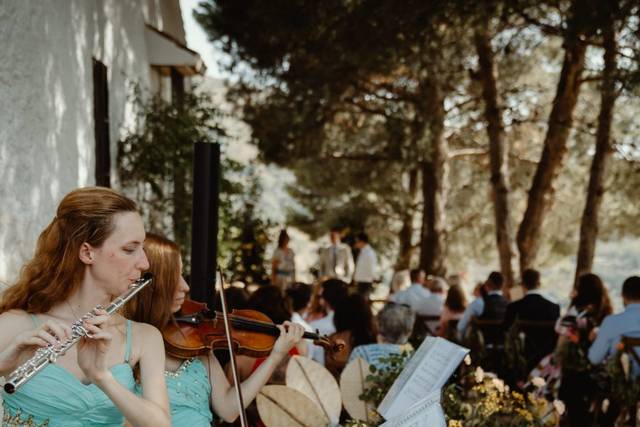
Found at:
[482, 399]
[621, 386]
[474, 398]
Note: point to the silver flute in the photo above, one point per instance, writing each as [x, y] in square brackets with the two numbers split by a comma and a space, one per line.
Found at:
[50, 353]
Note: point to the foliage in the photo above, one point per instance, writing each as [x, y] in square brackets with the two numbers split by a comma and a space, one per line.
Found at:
[337, 92]
[481, 399]
[248, 238]
[379, 381]
[155, 161]
[620, 384]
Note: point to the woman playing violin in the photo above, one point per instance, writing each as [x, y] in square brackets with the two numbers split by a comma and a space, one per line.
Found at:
[91, 252]
[198, 385]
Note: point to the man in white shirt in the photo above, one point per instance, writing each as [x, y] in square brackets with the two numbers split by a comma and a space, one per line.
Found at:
[366, 266]
[422, 300]
[336, 260]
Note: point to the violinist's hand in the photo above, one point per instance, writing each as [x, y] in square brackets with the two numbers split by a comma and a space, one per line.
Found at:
[93, 349]
[50, 332]
[290, 335]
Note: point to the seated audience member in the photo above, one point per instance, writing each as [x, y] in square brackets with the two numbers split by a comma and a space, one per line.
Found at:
[315, 310]
[299, 295]
[490, 305]
[334, 291]
[615, 326]
[535, 306]
[395, 323]
[454, 307]
[270, 301]
[424, 296]
[355, 326]
[589, 305]
[399, 282]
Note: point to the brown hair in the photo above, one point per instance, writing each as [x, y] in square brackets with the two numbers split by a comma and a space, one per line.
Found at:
[153, 304]
[55, 271]
[456, 300]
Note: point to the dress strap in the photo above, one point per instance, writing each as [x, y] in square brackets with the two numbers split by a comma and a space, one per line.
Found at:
[127, 350]
[35, 320]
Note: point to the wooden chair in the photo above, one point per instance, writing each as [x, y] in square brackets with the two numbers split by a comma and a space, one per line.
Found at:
[630, 345]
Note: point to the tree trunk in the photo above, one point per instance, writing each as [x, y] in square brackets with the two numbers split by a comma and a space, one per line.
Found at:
[406, 233]
[498, 154]
[434, 184]
[560, 122]
[595, 191]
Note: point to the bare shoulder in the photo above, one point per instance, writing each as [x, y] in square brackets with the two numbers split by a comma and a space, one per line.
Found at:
[147, 334]
[12, 323]
[16, 320]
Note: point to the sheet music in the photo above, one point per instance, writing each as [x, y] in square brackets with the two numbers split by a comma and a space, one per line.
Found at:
[425, 412]
[428, 370]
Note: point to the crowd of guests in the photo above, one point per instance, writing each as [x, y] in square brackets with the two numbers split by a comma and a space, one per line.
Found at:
[510, 338]
[96, 246]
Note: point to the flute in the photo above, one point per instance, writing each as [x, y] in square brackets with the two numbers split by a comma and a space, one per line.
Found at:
[50, 353]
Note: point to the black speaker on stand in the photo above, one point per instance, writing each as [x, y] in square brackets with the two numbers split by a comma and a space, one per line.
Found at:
[204, 225]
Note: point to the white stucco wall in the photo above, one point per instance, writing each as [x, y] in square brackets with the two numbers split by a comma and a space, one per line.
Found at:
[46, 104]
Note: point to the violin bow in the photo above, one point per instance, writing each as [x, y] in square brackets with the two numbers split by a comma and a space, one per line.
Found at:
[234, 369]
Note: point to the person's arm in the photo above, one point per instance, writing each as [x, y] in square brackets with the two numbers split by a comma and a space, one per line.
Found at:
[19, 340]
[603, 343]
[223, 396]
[150, 410]
[474, 309]
[350, 267]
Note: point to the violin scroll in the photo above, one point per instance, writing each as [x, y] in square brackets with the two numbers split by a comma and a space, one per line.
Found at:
[330, 345]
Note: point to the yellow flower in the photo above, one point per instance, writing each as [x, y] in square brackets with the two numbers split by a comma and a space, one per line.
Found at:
[559, 405]
[498, 384]
[454, 423]
[466, 410]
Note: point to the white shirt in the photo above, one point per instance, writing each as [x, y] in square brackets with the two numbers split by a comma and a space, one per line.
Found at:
[366, 265]
[296, 318]
[422, 301]
[324, 326]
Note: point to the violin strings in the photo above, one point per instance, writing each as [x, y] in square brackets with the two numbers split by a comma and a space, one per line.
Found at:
[258, 325]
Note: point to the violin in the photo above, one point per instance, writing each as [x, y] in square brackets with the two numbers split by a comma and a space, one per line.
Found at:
[197, 330]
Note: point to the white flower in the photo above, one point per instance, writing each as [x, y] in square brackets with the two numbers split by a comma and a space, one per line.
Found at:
[498, 384]
[605, 406]
[624, 361]
[559, 405]
[467, 360]
[479, 374]
[538, 382]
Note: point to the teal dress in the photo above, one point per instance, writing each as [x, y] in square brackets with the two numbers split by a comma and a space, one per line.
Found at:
[189, 391]
[56, 398]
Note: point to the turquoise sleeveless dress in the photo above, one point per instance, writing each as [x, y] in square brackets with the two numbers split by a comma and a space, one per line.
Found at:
[56, 398]
[189, 391]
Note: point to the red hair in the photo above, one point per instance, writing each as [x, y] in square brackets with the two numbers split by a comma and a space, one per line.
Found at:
[55, 271]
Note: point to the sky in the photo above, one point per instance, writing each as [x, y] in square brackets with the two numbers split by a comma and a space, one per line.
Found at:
[197, 40]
